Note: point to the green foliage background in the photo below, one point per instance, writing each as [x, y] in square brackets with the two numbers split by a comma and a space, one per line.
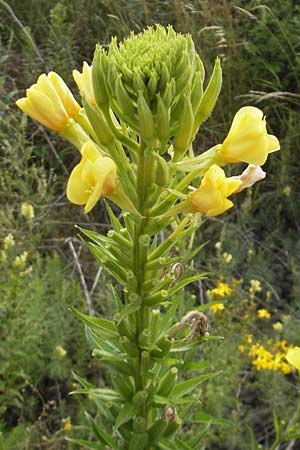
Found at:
[258, 44]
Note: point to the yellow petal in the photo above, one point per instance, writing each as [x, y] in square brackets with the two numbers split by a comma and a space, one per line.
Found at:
[56, 118]
[77, 190]
[90, 151]
[293, 357]
[66, 96]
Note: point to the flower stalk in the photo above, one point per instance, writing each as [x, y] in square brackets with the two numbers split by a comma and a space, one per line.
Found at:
[143, 103]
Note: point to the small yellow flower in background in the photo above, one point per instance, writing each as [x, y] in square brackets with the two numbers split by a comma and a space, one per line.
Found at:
[218, 245]
[211, 196]
[67, 424]
[61, 351]
[93, 177]
[50, 102]
[293, 357]
[263, 314]
[27, 211]
[227, 257]
[217, 307]
[8, 241]
[255, 287]
[249, 338]
[287, 191]
[278, 327]
[21, 259]
[248, 140]
[242, 348]
[85, 83]
[221, 290]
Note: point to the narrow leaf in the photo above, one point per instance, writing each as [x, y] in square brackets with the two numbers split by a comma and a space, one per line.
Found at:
[187, 386]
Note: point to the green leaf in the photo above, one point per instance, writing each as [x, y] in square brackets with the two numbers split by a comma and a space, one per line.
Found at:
[83, 382]
[184, 282]
[277, 426]
[253, 441]
[113, 219]
[100, 433]
[127, 413]
[97, 342]
[106, 328]
[195, 366]
[138, 441]
[203, 417]
[199, 436]
[103, 394]
[187, 386]
[86, 444]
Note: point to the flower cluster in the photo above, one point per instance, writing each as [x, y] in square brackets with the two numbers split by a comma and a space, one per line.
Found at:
[275, 356]
[221, 290]
[153, 83]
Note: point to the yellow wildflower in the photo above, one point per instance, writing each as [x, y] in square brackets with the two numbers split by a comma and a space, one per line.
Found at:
[278, 327]
[94, 176]
[249, 338]
[293, 357]
[8, 241]
[217, 307]
[61, 351]
[50, 102]
[242, 348]
[255, 286]
[263, 314]
[221, 290]
[227, 257]
[21, 259]
[248, 140]
[27, 211]
[218, 245]
[67, 424]
[85, 83]
[211, 196]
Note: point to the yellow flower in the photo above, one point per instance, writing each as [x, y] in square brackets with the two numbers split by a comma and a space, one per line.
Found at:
[67, 424]
[248, 140]
[20, 260]
[242, 348]
[277, 326]
[249, 338]
[263, 314]
[217, 307]
[211, 197]
[61, 351]
[94, 176]
[27, 211]
[221, 290]
[50, 102]
[227, 257]
[8, 241]
[85, 83]
[293, 357]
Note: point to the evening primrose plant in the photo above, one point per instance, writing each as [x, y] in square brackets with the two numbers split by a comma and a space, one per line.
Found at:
[143, 101]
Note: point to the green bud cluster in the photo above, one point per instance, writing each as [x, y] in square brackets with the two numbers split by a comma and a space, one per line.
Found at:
[153, 81]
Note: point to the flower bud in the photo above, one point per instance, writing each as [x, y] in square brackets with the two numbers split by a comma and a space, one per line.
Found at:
[99, 73]
[162, 171]
[184, 134]
[163, 121]
[146, 125]
[210, 96]
[84, 83]
[167, 382]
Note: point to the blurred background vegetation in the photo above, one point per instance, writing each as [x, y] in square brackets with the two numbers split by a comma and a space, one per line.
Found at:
[258, 247]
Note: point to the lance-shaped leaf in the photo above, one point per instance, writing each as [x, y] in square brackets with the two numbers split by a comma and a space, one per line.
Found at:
[187, 386]
[127, 413]
[86, 444]
[100, 433]
[103, 327]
